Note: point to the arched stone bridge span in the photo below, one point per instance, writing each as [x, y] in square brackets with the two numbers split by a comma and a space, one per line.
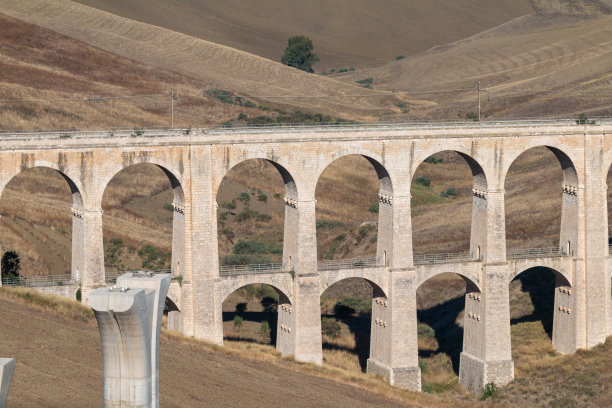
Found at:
[196, 161]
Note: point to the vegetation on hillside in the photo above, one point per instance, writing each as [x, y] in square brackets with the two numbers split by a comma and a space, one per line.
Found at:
[298, 53]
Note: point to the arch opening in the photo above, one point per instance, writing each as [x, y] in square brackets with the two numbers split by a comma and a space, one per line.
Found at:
[354, 210]
[541, 201]
[352, 316]
[448, 205]
[143, 220]
[446, 304]
[257, 313]
[541, 307]
[37, 208]
[256, 200]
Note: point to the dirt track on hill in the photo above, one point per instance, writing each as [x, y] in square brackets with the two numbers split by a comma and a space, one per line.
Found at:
[59, 364]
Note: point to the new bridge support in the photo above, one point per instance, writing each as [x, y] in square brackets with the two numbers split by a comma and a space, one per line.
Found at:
[7, 366]
[129, 319]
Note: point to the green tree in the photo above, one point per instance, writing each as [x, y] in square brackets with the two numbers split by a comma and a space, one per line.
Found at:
[10, 264]
[298, 53]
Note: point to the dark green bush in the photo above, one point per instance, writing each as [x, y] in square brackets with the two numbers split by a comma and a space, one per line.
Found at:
[374, 208]
[330, 327]
[424, 181]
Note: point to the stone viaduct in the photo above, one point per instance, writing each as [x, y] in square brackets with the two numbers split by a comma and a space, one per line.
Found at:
[196, 162]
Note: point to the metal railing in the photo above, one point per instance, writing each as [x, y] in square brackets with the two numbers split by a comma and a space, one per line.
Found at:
[334, 265]
[39, 281]
[230, 270]
[111, 277]
[428, 259]
[536, 253]
[297, 127]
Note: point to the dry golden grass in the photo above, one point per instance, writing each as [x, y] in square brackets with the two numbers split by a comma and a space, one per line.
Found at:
[66, 308]
[210, 64]
[527, 66]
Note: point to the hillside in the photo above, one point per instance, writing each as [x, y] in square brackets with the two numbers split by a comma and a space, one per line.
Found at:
[539, 65]
[346, 33]
[212, 65]
[59, 364]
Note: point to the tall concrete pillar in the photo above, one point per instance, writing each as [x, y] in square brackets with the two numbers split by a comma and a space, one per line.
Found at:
[308, 341]
[87, 249]
[129, 319]
[487, 349]
[7, 366]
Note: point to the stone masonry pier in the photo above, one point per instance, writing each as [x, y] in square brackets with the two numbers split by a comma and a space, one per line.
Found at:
[196, 161]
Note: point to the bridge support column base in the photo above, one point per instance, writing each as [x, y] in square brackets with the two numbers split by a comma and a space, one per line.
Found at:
[7, 366]
[407, 378]
[474, 373]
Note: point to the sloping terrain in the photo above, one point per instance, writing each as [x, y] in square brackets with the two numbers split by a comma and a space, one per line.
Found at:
[345, 33]
[547, 64]
[214, 65]
[59, 364]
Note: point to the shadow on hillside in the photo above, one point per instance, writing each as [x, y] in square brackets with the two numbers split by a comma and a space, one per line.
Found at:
[449, 335]
[270, 316]
[360, 326]
[539, 283]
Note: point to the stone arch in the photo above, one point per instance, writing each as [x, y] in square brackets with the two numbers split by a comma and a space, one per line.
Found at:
[376, 282]
[571, 176]
[384, 175]
[175, 181]
[560, 275]
[479, 172]
[562, 332]
[289, 253]
[471, 304]
[78, 200]
[478, 223]
[471, 282]
[178, 204]
[76, 187]
[291, 186]
[384, 239]
[170, 305]
[377, 347]
[284, 289]
[568, 237]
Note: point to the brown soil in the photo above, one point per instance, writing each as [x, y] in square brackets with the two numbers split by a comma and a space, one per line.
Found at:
[59, 364]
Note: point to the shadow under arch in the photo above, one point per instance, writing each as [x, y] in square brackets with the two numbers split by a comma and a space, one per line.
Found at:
[541, 284]
[76, 193]
[568, 235]
[359, 313]
[269, 310]
[178, 209]
[478, 221]
[442, 318]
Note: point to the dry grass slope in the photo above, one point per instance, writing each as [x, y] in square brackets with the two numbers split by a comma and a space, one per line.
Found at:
[345, 33]
[215, 65]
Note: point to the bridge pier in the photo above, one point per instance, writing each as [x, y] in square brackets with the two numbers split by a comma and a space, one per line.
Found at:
[308, 341]
[394, 345]
[487, 355]
[87, 250]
